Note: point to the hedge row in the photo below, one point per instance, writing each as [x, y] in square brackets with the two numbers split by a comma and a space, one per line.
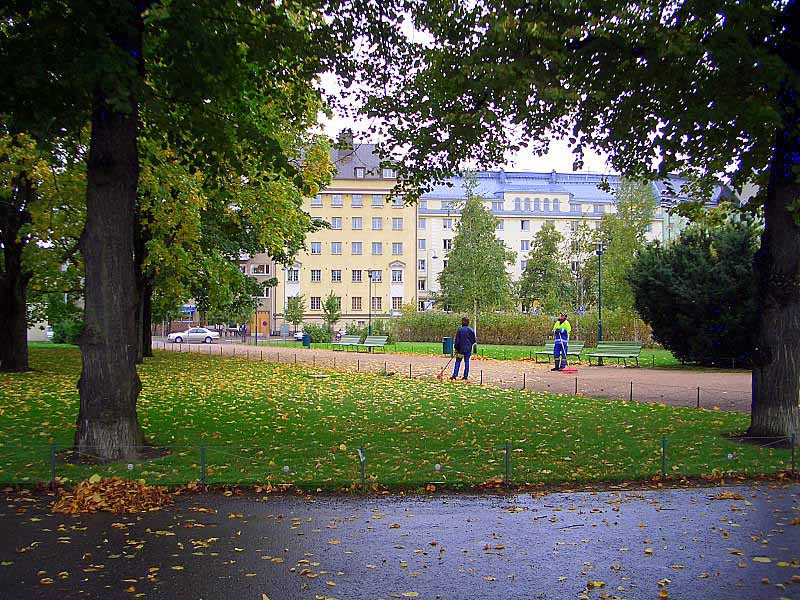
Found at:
[521, 329]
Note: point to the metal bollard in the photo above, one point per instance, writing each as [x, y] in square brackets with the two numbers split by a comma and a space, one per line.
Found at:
[631, 396]
[410, 375]
[663, 458]
[481, 383]
[523, 380]
[698, 396]
[362, 458]
[576, 386]
[508, 463]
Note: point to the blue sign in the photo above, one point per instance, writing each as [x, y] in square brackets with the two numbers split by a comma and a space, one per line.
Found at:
[581, 310]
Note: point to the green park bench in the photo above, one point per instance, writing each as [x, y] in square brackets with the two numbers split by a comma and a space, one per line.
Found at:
[574, 348]
[347, 341]
[619, 350]
[374, 341]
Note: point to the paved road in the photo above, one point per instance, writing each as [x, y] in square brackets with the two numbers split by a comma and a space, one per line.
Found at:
[700, 543]
[729, 391]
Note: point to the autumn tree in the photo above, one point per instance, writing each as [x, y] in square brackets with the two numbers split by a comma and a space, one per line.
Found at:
[547, 278]
[295, 310]
[705, 90]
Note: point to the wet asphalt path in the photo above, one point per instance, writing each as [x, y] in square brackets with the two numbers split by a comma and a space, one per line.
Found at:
[677, 543]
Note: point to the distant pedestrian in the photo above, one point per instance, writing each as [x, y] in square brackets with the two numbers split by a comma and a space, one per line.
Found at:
[561, 331]
[463, 345]
[243, 333]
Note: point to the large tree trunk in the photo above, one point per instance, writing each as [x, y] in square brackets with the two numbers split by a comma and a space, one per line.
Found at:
[107, 425]
[776, 361]
[14, 285]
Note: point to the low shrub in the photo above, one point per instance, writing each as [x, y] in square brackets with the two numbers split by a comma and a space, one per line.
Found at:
[319, 333]
[67, 331]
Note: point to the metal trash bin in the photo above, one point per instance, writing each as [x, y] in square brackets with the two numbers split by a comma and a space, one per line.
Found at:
[447, 346]
[306, 340]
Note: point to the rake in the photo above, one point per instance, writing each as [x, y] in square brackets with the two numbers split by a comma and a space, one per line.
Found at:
[439, 376]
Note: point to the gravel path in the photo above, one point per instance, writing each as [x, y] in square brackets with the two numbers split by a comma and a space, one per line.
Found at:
[717, 390]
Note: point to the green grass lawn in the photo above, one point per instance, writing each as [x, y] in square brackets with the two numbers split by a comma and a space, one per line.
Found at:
[649, 358]
[262, 422]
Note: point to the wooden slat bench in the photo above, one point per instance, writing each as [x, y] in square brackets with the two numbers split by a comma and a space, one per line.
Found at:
[574, 348]
[374, 341]
[347, 341]
[619, 350]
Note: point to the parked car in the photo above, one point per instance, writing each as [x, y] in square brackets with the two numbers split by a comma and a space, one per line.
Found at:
[298, 335]
[195, 334]
[49, 333]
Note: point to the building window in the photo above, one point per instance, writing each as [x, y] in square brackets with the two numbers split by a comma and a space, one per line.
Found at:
[357, 201]
[360, 172]
[597, 224]
[423, 205]
[317, 219]
[336, 275]
[524, 264]
[517, 203]
[556, 205]
[356, 275]
[500, 225]
[258, 270]
[377, 248]
[421, 264]
[377, 200]
[547, 205]
[397, 275]
[574, 225]
[447, 223]
[421, 244]
[376, 303]
[397, 224]
[336, 247]
[575, 208]
[527, 205]
[447, 244]
[356, 223]
[421, 223]
[355, 302]
[397, 303]
[421, 285]
[316, 201]
[387, 173]
[292, 275]
[524, 245]
[316, 303]
[356, 248]
[397, 202]
[525, 225]
[550, 222]
[316, 247]
[377, 223]
[377, 275]
[537, 205]
[421, 307]
[598, 208]
[573, 265]
[336, 200]
[447, 205]
[444, 264]
[336, 222]
[397, 248]
[316, 275]
[497, 206]
[649, 227]
[243, 269]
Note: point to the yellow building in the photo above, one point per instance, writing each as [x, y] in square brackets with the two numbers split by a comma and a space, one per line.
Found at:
[367, 256]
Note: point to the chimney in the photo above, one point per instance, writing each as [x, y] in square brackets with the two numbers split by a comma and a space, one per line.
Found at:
[553, 176]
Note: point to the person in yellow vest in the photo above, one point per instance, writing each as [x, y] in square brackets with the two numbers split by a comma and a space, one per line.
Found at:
[561, 331]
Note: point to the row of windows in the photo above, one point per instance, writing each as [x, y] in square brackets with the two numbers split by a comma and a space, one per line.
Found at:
[357, 200]
[357, 223]
[356, 303]
[357, 275]
[357, 248]
[255, 269]
[525, 224]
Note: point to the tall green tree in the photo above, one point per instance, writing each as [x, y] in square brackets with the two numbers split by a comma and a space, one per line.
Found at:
[622, 233]
[547, 278]
[209, 68]
[475, 275]
[331, 310]
[702, 89]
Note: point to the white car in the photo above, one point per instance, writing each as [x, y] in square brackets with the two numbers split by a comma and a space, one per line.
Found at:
[195, 334]
[49, 333]
[298, 335]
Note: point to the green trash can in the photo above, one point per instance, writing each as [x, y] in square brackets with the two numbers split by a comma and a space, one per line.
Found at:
[447, 346]
[306, 340]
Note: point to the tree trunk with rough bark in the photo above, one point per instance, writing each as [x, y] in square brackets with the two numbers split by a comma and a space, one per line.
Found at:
[776, 362]
[108, 426]
[14, 285]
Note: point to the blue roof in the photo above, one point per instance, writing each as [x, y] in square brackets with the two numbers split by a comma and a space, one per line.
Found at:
[582, 187]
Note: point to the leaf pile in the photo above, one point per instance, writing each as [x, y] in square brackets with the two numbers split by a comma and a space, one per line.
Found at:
[113, 494]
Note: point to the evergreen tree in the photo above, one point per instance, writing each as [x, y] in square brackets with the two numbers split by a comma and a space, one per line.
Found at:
[331, 310]
[476, 274]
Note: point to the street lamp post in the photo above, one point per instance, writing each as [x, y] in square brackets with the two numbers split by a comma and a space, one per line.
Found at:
[369, 327]
[600, 250]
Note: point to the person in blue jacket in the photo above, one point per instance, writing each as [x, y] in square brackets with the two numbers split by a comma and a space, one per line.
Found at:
[463, 344]
[561, 331]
